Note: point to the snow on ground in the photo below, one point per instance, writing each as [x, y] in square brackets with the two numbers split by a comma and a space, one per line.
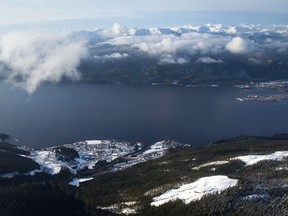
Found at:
[94, 142]
[128, 211]
[9, 175]
[281, 168]
[196, 190]
[253, 159]
[33, 172]
[157, 147]
[214, 163]
[83, 163]
[47, 161]
[112, 208]
[255, 196]
[76, 181]
[154, 151]
[126, 208]
[248, 159]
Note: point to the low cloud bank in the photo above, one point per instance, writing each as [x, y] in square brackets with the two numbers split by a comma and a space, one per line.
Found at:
[169, 59]
[113, 56]
[28, 59]
[200, 40]
[208, 60]
[169, 44]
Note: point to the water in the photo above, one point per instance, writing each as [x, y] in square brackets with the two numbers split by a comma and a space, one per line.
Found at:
[66, 113]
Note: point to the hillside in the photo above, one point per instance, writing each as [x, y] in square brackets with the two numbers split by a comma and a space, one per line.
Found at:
[254, 169]
[11, 160]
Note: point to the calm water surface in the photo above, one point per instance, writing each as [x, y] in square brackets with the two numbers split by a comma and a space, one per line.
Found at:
[66, 113]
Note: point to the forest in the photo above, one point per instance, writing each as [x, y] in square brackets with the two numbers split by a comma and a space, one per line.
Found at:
[261, 190]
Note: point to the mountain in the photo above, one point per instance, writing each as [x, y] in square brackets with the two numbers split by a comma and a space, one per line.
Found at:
[118, 30]
[245, 175]
[188, 55]
[13, 160]
[237, 54]
[78, 156]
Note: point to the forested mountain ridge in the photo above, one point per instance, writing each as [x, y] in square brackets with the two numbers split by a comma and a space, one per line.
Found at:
[257, 163]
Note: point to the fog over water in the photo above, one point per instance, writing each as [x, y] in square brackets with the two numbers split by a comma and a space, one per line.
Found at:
[66, 113]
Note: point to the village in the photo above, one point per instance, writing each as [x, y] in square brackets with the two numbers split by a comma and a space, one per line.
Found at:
[103, 150]
[255, 97]
[86, 154]
[279, 89]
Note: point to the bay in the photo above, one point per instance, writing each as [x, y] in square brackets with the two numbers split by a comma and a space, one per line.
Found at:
[67, 113]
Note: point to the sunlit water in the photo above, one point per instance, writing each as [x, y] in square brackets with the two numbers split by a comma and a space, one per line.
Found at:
[66, 113]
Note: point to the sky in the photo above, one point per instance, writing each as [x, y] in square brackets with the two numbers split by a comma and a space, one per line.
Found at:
[37, 42]
[75, 14]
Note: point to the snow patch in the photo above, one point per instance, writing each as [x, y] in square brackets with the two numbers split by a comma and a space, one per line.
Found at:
[47, 161]
[122, 208]
[76, 181]
[9, 175]
[255, 196]
[93, 142]
[196, 190]
[210, 164]
[156, 147]
[281, 168]
[249, 159]
[33, 172]
[253, 159]
[128, 211]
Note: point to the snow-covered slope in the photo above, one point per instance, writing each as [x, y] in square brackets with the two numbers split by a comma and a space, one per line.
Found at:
[118, 31]
[48, 161]
[253, 159]
[53, 160]
[248, 159]
[196, 190]
[169, 44]
[76, 182]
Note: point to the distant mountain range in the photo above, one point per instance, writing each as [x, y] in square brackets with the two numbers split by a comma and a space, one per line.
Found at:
[119, 30]
[187, 55]
[183, 56]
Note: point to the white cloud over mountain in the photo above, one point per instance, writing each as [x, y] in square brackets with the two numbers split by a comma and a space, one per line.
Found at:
[27, 58]
[113, 55]
[238, 45]
[193, 42]
[198, 40]
[170, 59]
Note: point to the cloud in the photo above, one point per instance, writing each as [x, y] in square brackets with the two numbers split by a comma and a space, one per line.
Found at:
[200, 40]
[278, 46]
[169, 44]
[208, 60]
[31, 58]
[113, 55]
[169, 59]
[239, 46]
[116, 30]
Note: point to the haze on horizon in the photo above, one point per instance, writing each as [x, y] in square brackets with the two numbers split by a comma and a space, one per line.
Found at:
[78, 15]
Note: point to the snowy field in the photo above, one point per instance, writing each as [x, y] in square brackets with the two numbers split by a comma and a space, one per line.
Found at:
[196, 190]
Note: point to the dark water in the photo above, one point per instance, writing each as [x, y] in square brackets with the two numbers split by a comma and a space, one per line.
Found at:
[62, 114]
